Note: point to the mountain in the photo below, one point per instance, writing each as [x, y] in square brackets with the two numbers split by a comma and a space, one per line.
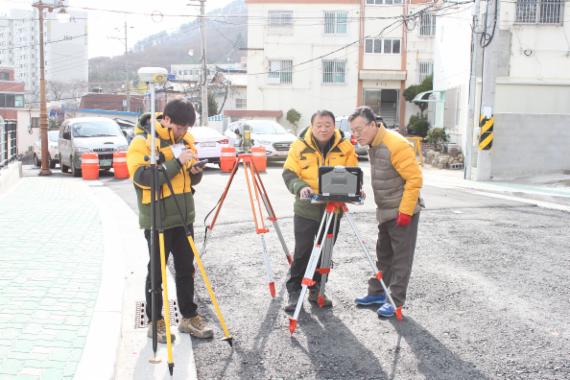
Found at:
[226, 33]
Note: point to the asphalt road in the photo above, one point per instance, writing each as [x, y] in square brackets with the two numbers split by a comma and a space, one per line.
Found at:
[488, 297]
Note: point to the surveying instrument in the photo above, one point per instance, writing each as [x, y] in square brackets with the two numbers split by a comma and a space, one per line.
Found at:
[257, 194]
[338, 185]
[154, 76]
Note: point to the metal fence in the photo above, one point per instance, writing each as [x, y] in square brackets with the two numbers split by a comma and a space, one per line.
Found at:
[539, 11]
[8, 147]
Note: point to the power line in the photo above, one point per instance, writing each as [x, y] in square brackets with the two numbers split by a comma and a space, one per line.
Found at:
[399, 20]
[67, 38]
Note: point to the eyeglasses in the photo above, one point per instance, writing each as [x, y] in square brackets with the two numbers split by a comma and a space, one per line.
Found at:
[358, 130]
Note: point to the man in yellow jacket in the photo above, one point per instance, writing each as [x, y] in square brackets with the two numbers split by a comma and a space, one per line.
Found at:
[175, 154]
[396, 182]
[321, 144]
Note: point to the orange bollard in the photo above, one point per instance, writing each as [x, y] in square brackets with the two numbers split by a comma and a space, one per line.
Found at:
[227, 158]
[259, 158]
[120, 165]
[90, 166]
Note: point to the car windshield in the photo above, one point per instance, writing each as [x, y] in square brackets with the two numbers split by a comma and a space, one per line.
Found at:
[266, 128]
[53, 136]
[97, 128]
[342, 124]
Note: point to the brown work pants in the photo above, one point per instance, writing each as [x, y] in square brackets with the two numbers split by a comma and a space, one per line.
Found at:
[395, 254]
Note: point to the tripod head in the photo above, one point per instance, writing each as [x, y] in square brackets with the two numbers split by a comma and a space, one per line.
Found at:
[152, 76]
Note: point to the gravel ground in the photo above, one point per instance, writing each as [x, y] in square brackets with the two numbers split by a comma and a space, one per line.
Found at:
[488, 298]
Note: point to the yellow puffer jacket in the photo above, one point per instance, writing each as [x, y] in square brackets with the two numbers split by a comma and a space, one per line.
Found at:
[396, 175]
[301, 168]
[138, 161]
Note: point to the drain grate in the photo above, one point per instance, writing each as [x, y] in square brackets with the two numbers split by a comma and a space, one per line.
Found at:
[141, 321]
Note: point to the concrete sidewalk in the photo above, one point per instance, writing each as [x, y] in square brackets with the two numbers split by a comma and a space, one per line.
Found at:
[555, 195]
[72, 268]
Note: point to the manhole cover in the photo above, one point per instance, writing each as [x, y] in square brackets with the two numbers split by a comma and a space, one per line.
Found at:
[141, 320]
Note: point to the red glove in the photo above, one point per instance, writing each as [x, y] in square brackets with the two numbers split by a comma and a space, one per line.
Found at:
[403, 220]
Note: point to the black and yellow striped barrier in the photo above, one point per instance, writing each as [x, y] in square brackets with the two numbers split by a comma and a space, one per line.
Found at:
[486, 134]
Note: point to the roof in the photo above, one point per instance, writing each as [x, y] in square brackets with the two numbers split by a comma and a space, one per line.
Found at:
[107, 101]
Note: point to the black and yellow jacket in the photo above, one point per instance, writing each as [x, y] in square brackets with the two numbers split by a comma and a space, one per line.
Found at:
[138, 162]
[301, 168]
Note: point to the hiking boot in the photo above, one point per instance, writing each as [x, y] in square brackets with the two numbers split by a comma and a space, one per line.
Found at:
[386, 311]
[196, 326]
[314, 297]
[371, 300]
[160, 332]
[292, 304]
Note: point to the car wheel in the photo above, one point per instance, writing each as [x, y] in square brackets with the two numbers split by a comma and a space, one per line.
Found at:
[76, 172]
[37, 162]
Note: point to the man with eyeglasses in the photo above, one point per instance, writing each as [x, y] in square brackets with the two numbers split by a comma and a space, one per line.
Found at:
[321, 144]
[396, 182]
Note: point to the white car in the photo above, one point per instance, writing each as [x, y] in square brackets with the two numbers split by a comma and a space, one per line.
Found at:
[267, 133]
[80, 135]
[209, 143]
[53, 150]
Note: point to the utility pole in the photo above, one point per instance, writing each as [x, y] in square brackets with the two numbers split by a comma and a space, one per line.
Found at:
[204, 117]
[472, 85]
[488, 84]
[44, 171]
[128, 82]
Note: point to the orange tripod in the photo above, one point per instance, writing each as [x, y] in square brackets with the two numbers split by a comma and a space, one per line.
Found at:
[257, 194]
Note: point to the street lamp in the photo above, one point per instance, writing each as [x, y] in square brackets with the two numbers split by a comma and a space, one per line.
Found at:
[40, 5]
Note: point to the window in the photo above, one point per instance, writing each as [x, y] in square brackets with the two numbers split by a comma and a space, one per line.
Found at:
[335, 22]
[280, 72]
[427, 24]
[378, 46]
[334, 71]
[11, 100]
[280, 19]
[4, 76]
[383, 2]
[425, 70]
[18, 101]
[241, 103]
[373, 45]
[539, 11]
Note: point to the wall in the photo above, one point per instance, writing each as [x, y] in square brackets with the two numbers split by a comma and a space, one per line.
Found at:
[530, 144]
[304, 42]
[532, 96]
[26, 139]
[452, 62]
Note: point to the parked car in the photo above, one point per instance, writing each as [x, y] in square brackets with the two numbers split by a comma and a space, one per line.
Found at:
[209, 143]
[343, 124]
[89, 134]
[128, 128]
[53, 151]
[267, 133]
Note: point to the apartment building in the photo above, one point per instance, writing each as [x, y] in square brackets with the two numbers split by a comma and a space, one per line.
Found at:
[311, 54]
[302, 55]
[66, 59]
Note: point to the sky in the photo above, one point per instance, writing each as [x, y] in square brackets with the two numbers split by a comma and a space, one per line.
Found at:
[105, 22]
